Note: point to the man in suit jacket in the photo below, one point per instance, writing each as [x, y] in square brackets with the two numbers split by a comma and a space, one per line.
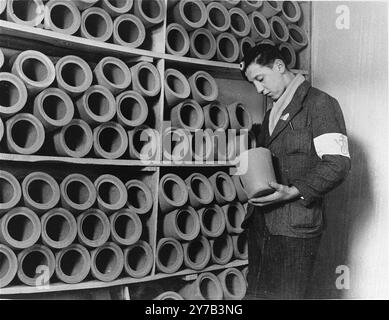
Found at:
[306, 133]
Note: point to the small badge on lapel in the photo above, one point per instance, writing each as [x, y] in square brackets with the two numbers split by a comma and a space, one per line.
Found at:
[285, 117]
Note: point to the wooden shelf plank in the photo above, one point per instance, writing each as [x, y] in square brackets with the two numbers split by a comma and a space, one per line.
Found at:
[55, 287]
[145, 165]
[89, 161]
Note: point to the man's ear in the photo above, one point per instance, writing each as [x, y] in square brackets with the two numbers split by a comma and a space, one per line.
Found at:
[279, 66]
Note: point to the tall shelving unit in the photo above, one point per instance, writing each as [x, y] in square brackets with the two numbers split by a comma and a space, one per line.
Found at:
[227, 75]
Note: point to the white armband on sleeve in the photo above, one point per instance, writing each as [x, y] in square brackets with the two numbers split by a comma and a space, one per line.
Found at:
[331, 144]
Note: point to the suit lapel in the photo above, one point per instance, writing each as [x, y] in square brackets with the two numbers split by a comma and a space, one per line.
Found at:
[292, 109]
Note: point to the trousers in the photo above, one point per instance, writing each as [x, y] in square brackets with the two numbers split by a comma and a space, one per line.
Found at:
[280, 267]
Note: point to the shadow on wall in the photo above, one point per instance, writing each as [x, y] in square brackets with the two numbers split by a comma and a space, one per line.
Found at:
[347, 213]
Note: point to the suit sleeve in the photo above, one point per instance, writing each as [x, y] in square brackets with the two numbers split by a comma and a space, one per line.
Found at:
[331, 145]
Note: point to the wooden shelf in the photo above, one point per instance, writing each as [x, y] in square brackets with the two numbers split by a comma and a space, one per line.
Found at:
[89, 161]
[144, 165]
[55, 287]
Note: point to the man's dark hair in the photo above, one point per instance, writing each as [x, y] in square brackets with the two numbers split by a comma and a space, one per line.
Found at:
[262, 54]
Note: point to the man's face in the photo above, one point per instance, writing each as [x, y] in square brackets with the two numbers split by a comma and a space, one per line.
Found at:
[267, 81]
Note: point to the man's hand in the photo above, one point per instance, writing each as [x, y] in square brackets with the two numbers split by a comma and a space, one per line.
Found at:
[281, 193]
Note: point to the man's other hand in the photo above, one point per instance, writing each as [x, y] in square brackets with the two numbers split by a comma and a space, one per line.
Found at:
[281, 193]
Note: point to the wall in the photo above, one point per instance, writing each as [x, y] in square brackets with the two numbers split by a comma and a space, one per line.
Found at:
[352, 66]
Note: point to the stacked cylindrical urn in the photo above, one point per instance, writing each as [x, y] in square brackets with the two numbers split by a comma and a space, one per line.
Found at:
[68, 107]
[224, 30]
[124, 22]
[200, 226]
[199, 123]
[73, 227]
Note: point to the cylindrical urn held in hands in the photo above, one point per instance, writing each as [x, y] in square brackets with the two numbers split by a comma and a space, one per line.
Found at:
[259, 172]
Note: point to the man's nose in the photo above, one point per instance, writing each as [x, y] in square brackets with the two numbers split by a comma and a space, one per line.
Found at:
[259, 86]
